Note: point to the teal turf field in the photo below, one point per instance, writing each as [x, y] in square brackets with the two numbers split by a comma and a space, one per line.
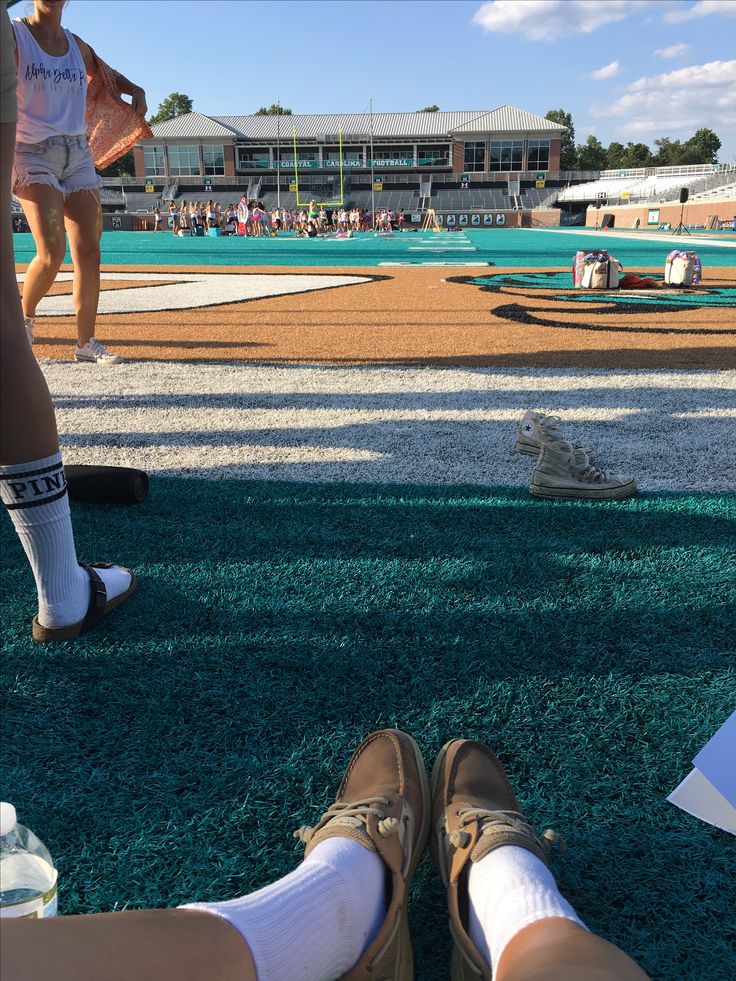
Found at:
[169, 755]
[331, 549]
[503, 247]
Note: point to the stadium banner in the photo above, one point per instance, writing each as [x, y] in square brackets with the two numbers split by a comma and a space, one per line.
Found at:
[653, 216]
[394, 162]
[287, 163]
[539, 183]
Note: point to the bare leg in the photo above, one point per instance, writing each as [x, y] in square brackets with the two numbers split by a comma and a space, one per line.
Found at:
[83, 217]
[559, 950]
[147, 945]
[27, 421]
[44, 209]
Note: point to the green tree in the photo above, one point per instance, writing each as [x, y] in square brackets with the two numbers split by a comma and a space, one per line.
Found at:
[123, 167]
[637, 155]
[567, 147]
[615, 156]
[703, 147]
[591, 155]
[429, 109]
[669, 152]
[273, 110]
[176, 104]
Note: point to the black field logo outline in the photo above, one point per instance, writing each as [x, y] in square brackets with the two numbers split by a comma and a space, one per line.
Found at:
[533, 315]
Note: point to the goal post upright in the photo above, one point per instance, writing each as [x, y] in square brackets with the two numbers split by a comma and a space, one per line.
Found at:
[322, 204]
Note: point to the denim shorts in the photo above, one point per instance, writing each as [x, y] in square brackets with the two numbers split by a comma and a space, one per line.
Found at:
[64, 162]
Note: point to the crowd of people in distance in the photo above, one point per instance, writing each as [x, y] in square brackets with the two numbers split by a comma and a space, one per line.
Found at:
[253, 219]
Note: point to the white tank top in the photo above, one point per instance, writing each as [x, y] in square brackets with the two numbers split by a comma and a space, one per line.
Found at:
[52, 92]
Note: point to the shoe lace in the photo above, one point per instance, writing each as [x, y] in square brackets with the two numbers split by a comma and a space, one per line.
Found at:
[97, 347]
[551, 426]
[587, 473]
[488, 820]
[357, 812]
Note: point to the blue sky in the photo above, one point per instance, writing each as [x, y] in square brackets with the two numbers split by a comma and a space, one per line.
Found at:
[626, 69]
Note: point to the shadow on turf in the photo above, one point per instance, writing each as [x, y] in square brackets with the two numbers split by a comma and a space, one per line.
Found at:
[534, 393]
[477, 582]
[277, 623]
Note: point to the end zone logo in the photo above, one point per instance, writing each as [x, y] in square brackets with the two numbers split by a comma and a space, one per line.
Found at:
[532, 306]
[164, 291]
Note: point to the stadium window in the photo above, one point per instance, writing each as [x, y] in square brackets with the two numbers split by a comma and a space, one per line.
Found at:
[351, 157]
[396, 156]
[153, 160]
[538, 157]
[475, 155]
[249, 159]
[214, 160]
[183, 161]
[506, 155]
[433, 156]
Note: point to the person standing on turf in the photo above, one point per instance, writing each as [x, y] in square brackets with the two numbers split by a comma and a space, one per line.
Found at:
[71, 597]
[54, 174]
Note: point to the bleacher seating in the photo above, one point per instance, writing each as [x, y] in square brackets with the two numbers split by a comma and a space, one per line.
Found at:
[655, 185]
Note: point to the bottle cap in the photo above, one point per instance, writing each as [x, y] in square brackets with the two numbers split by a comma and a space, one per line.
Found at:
[8, 819]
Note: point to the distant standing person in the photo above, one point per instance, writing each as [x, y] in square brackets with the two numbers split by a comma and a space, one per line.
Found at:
[157, 224]
[173, 218]
[54, 175]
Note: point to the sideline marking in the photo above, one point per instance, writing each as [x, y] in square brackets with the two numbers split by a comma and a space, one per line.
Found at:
[186, 291]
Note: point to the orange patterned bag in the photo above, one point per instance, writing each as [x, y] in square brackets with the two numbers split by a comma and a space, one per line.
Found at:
[113, 126]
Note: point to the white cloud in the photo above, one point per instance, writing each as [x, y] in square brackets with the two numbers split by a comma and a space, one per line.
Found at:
[608, 71]
[704, 8]
[546, 20]
[677, 103]
[673, 51]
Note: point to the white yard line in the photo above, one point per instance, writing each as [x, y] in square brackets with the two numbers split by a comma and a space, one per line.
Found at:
[631, 235]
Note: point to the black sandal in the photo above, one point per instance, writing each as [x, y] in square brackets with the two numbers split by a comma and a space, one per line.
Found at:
[99, 606]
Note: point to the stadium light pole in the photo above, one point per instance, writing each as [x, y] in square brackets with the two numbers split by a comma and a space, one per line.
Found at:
[373, 183]
[278, 155]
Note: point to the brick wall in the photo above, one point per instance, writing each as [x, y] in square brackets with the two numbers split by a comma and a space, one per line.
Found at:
[229, 150]
[554, 155]
[140, 167]
[458, 157]
[695, 213]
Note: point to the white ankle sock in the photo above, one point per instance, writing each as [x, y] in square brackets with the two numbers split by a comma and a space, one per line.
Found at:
[37, 502]
[508, 890]
[315, 922]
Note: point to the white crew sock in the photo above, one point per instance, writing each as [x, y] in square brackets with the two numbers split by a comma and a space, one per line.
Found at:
[38, 504]
[315, 923]
[509, 889]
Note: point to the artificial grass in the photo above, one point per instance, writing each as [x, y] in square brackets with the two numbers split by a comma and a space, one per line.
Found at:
[167, 756]
[511, 247]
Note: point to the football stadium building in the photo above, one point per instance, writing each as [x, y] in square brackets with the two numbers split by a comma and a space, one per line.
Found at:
[496, 167]
[411, 157]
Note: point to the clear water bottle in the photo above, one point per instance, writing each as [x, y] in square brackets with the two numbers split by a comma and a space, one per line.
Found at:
[27, 874]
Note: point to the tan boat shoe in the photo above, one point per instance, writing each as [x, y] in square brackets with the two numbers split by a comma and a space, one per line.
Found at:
[474, 811]
[383, 803]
